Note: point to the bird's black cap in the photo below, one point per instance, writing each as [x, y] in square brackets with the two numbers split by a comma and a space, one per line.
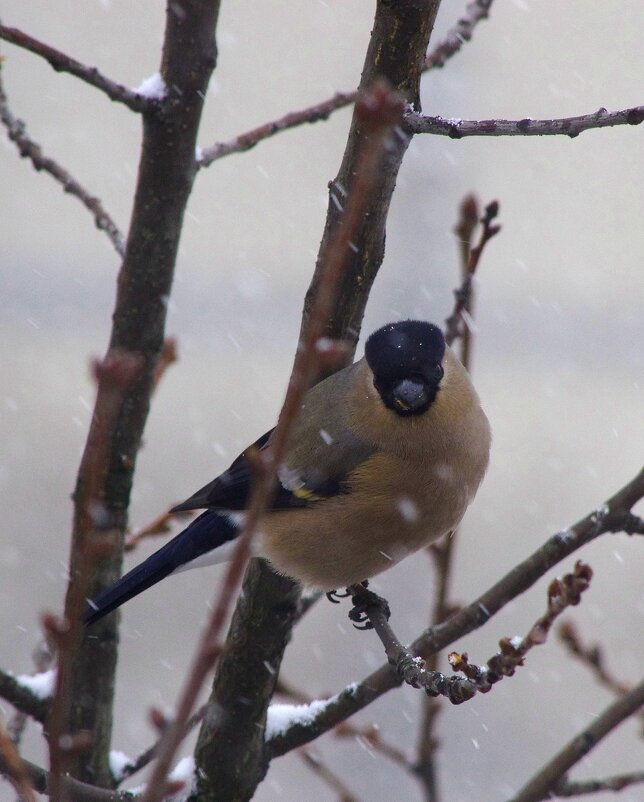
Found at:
[405, 359]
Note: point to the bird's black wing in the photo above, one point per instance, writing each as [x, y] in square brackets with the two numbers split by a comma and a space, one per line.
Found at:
[320, 474]
[229, 490]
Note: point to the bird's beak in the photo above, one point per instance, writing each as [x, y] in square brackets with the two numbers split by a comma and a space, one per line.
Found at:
[410, 395]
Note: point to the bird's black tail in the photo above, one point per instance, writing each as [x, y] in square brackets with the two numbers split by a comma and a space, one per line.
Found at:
[206, 533]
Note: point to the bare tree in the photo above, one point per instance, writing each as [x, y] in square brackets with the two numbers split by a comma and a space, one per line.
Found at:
[239, 738]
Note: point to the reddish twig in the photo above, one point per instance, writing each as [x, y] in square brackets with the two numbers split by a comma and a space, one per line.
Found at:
[590, 656]
[565, 126]
[413, 671]
[113, 376]
[329, 777]
[14, 767]
[31, 150]
[61, 62]
[547, 779]
[380, 110]
[168, 356]
[461, 32]
[464, 293]
[160, 525]
[248, 140]
[442, 552]
[562, 593]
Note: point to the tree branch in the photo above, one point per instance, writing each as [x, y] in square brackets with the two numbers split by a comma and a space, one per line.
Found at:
[568, 126]
[164, 183]
[541, 784]
[617, 782]
[28, 149]
[73, 790]
[613, 516]
[61, 62]
[238, 771]
[460, 33]
[22, 698]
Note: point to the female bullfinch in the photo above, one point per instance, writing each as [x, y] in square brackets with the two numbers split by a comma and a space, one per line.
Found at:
[386, 456]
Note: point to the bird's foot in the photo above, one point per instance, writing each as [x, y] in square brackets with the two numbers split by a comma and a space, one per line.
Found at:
[334, 596]
[363, 599]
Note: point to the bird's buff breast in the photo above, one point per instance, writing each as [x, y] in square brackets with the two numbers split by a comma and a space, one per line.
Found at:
[342, 540]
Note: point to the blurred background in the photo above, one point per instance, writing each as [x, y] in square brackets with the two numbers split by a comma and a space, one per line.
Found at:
[557, 355]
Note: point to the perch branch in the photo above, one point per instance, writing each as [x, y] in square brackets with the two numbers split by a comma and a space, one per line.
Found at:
[613, 516]
[61, 62]
[567, 126]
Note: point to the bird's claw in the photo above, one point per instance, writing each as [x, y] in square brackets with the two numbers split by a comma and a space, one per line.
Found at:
[334, 596]
[363, 599]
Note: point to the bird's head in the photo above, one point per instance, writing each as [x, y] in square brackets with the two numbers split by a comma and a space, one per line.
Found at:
[406, 361]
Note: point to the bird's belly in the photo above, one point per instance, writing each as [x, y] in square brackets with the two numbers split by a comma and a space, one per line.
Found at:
[343, 540]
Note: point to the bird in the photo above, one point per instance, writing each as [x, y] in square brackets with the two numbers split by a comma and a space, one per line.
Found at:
[385, 457]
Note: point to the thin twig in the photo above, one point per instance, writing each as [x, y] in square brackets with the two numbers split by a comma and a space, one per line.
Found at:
[73, 790]
[462, 31]
[61, 62]
[562, 593]
[317, 765]
[381, 109]
[147, 756]
[546, 779]
[113, 376]
[567, 126]
[590, 656]
[29, 149]
[14, 767]
[442, 552]
[464, 293]
[459, 34]
[248, 140]
[617, 782]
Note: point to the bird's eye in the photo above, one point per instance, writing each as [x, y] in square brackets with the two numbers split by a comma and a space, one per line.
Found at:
[437, 372]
